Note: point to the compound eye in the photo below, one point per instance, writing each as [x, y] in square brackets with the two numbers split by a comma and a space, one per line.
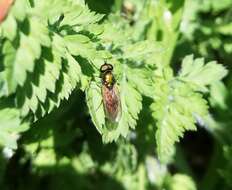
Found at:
[106, 67]
[110, 67]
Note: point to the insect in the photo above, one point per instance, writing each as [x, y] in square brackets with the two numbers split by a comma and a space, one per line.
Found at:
[110, 93]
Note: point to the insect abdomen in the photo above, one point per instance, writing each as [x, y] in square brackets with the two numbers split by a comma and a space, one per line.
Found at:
[111, 102]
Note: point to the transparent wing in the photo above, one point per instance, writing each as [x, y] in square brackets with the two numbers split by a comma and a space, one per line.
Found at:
[112, 104]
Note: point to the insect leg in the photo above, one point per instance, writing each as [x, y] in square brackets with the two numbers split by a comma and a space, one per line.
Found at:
[99, 105]
[97, 89]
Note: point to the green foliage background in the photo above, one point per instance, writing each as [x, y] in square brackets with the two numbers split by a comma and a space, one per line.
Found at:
[172, 64]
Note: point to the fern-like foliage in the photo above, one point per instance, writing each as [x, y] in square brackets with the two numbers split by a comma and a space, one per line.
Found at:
[133, 79]
[39, 67]
[45, 57]
[178, 103]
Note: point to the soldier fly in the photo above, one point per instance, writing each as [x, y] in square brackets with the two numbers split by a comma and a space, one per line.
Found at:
[110, 93]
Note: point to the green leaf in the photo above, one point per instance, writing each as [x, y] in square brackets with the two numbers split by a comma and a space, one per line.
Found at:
[58, 45]
[218, 96]
[8, 85]
[69, 79]
[79, 15]
[49, 14]
[95, 29]
[74, 71]
[114, 33]
[94, 102]
[53, 81]
[201, 75]
[131, 104]
[10, 126]
[181, 182]
[41, 158]
[9, 27]
[141, 50]
[176, 109]
[80, 45]
[141, 80]
[127, 157]
[66, 88]
[19, 9]
[219, 6]
[29, 50]
[36, 88]
[225, 29]
[40, 32]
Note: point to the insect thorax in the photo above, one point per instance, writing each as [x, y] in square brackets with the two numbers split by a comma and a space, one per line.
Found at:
[108, 79]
